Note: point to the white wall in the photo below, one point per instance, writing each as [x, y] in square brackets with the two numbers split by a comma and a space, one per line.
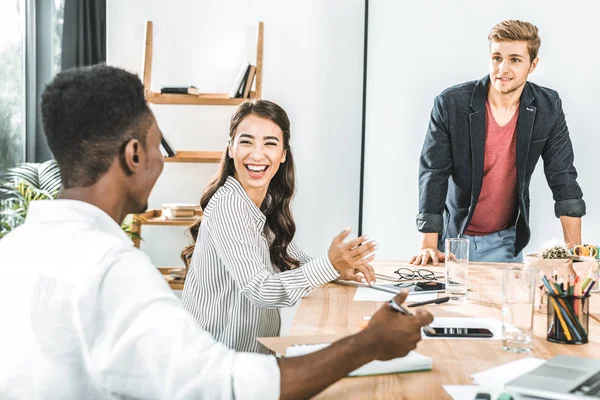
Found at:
[417, 49]
[313, 65]
[313, 68]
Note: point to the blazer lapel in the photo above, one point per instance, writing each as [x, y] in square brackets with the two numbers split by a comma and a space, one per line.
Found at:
[524, 130]
[477, 136]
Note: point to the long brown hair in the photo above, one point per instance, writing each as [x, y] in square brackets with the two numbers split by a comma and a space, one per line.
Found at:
[277, 204]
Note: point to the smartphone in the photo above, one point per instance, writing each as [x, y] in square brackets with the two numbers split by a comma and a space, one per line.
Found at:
[460, 332]
[422, 287]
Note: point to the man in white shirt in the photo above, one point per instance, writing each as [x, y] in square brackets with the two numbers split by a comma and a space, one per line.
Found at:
[87, 316]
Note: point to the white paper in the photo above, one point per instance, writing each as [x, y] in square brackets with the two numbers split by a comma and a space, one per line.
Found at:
[302, 349]
[507, 372]
[462, 392]
[364, 293]
[413, 361]
[492, 381]
[492, 324]
[468, 392]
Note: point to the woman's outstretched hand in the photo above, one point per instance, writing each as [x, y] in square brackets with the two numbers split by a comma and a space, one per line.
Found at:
[350, 258]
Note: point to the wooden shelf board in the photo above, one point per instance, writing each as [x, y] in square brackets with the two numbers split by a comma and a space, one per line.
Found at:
[196, 156]
[154, 217]
[175, 285]
[215, 99]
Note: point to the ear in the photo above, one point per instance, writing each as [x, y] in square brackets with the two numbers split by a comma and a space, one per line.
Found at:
[534, 64]
[283, 156]
[132, 156]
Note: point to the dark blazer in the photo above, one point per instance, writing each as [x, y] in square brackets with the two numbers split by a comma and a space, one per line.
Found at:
[451, 164]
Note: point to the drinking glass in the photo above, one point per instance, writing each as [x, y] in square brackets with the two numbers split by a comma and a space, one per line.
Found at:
[457, 268]
[518, 290]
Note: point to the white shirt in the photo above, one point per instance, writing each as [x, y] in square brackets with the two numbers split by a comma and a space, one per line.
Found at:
[232, 289]
[85, 315]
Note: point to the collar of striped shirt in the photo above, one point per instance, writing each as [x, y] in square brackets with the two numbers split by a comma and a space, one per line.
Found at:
[232, 184]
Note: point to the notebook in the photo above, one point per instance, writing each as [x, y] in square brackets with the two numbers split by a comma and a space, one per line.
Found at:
[412, 362]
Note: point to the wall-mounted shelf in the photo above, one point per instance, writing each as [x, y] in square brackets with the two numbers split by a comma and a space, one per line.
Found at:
[154, 217]
[216, 99]
[196, 157]
[176, 284]
[203, 99]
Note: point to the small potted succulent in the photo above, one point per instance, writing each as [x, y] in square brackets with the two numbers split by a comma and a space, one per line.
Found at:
[554, 260]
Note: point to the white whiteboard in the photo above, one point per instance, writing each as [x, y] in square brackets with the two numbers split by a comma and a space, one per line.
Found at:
[416, 49]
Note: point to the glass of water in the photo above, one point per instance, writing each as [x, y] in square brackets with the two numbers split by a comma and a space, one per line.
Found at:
[457, 268]
[518, 290]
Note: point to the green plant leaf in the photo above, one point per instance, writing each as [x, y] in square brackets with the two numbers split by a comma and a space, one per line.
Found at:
[28, 182]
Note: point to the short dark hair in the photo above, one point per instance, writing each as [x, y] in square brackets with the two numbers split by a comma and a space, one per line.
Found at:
[89, 115]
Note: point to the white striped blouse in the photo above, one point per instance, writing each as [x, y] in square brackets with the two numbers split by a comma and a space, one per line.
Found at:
[232, 289]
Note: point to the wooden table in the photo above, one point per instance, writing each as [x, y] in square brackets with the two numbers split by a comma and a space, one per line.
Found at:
[330, 310]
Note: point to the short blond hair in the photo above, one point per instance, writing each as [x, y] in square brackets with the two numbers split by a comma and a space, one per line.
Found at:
[514, 30]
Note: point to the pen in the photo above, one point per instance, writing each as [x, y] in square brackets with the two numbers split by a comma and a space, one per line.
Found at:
[382, 288]
[589, 289]
[402, 310]
[396, 306]
[439, 300]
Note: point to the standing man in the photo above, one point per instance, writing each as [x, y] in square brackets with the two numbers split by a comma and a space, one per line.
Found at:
[483, 142]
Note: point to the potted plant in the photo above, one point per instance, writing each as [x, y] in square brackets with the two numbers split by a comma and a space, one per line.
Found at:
[21, 185]
[556, 260]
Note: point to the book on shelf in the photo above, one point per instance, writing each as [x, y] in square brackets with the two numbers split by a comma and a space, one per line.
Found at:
[237, 90]
[249, 80]
[180, 90]
[166, 149]
[240, 93]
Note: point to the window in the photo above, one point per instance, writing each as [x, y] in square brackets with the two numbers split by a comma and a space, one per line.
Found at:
[12, 83]
[13, 75]
[57, 23]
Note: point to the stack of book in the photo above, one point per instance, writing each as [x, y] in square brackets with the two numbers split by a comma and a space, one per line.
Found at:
[181, 211]
[244, 81]
[166, 149]
[180, 90]
[241, 89]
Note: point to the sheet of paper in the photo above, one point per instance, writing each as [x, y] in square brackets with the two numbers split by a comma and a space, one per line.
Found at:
[468, 392]
[279, 344]
[462, 392]
[492, 324]
[507, 372]
[492, 381]
[367, 294]
[413, 361]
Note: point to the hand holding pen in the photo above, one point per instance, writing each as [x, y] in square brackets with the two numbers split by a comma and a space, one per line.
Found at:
[393, 333]
[402, 310]
[397, 307]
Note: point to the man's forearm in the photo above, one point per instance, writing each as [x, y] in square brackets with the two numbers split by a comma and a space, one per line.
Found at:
[305, 376]
[429, 240]
[571, 227]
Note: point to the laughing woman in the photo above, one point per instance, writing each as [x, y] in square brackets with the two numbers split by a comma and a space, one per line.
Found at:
[244, 264]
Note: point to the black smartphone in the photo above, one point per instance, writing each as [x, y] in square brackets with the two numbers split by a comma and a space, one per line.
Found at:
[461, 332]
[422, 287]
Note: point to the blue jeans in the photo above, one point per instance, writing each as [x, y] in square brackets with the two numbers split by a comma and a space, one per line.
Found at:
[495, 247]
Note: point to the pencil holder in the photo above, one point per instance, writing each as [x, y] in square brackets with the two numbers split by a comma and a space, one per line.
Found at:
[568, 318]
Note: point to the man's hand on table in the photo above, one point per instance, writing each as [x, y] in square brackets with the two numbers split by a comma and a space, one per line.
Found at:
[428, 254]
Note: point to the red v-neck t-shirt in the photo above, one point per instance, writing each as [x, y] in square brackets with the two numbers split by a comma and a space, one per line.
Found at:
[497, 204]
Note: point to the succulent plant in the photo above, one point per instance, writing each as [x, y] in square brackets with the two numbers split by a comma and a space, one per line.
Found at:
[556, 252]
